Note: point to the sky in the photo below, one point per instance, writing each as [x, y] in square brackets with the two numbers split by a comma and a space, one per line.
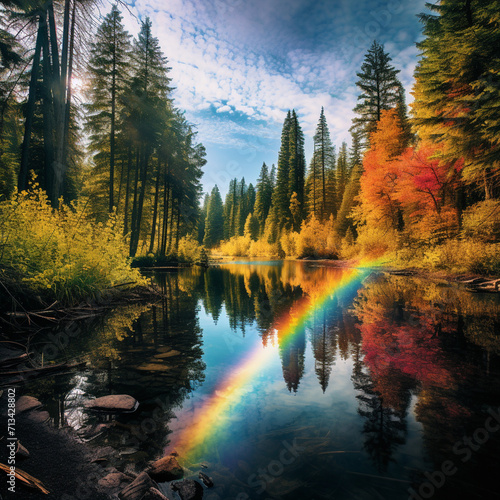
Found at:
[239, 65]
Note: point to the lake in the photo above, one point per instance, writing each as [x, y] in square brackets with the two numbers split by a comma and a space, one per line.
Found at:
[294, 380]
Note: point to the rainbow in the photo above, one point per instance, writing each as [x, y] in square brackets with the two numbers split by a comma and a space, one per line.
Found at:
[214, 413]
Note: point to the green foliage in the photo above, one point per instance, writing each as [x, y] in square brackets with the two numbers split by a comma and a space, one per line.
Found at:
[379, 86]
[61, 253]
[214, 224]
[251, 227]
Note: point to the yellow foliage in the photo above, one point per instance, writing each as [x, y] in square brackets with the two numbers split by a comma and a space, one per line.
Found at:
[62, 252]
[237, 246]
[482, 221]
[374, 241]
[317, 239]
[189, 249]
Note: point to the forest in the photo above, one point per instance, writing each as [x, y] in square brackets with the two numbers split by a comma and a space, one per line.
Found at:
[418, 187]
[87, 184]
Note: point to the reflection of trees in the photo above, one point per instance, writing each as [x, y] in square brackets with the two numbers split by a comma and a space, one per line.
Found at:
[440, 343]
[292, 352]
[152, 352]
[324, 342]
[384, 427]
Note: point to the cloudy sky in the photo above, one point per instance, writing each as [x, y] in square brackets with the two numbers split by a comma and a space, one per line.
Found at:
[239, 65]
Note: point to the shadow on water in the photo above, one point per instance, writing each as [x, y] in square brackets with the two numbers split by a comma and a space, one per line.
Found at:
[368, 398]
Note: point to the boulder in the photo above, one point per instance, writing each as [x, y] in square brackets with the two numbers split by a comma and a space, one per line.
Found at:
[138, 487]
[27, 403]
[116, 403]
[188, 489]
[166, 469]
[113, 480]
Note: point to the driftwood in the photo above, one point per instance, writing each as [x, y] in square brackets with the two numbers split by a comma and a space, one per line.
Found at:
[481, 285]
[45, 369]
[26, 479]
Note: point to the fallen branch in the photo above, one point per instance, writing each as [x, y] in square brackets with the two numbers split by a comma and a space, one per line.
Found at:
[27, 479]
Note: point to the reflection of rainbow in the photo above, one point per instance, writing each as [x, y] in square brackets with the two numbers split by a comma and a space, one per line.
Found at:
[215, 412]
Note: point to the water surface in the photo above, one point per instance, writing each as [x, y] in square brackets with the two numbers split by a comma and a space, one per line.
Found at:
[367, 399]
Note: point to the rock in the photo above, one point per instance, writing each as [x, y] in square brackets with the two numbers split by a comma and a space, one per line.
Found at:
[27, 403]
[114, 480]
[116, 403]
[154, 494]
[21, 451]
[189, 489]
[207, 481]
[138, 487]
[166, 469]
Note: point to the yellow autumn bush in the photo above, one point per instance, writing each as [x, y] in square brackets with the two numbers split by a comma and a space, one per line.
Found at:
[62, 253]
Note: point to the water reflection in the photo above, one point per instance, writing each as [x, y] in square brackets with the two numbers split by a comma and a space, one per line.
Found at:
[378, 386]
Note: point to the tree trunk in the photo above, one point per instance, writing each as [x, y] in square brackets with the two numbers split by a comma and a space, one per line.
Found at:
[112, 132]
[134, 204]
[127, 192]
[22, 182]
[48, 120]
[155, 209]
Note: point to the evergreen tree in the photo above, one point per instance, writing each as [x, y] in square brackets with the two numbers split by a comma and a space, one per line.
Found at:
[323, 163]
[280, 199]
[342, 174]
[108, 70]
[351, 191]
[457, 90]
[379, 90]
[297, 170]
[147, 111]
[202, 219]
[251, 227]
[214, 223]
[263, 197]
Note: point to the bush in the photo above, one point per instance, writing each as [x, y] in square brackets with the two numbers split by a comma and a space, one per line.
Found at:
[464, 256]
[373, 242]
[290, 243]
[237, 246]
[262, 248]
[61, 253]
[482, 221]
[317, 239]
[189, 249]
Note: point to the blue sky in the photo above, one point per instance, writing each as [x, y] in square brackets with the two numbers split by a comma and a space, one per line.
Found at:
[239, 65]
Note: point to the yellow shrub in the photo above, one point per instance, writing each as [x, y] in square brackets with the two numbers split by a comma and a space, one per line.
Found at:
[262, 248]
[61, 252]
[189, 249]
[482, 221]
[290, 243]
[374, 242]
[237, 246]
[317, 239]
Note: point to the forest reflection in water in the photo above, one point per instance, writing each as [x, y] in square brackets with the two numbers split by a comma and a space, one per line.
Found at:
[377, 387]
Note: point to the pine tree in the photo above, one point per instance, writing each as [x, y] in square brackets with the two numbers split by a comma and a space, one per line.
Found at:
[296, 173]
[202, 219]
[263, 197]
[108, 70]
[457, 91]
[251, 227]
[349, 197]
[379, 90]
[280, 199]
[341, 174]
[323, 163]
[147, 100]
[214, 224]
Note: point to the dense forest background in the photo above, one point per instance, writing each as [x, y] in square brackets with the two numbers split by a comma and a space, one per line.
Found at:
[118, 172]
